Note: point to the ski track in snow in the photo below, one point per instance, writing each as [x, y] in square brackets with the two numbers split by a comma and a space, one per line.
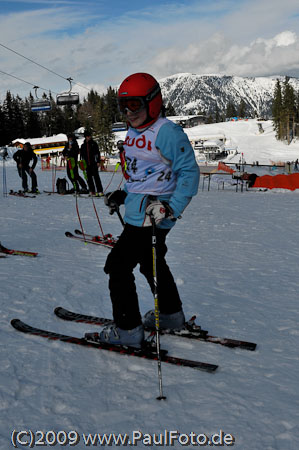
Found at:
[235, 258]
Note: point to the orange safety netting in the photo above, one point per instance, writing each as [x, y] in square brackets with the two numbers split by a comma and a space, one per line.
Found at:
[290, 182]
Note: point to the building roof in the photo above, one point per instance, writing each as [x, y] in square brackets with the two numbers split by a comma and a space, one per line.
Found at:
[42, 140]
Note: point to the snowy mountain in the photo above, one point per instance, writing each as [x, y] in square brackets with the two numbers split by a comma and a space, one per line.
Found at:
[190, 93]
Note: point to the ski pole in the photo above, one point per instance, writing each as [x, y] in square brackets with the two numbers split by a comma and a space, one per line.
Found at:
[71, 164]
[97, 216]
[53, 174]
[83, 167]
[119, 215]
[4, 179]
[114, 172]
[114, 207]
[157, 312]
[77, 209]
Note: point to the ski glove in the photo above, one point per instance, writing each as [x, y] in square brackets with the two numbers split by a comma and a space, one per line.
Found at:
[158, 211]
[114, 199]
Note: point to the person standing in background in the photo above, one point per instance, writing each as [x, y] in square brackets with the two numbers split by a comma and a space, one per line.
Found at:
[23, 158]
[71, 152]
[90, 154]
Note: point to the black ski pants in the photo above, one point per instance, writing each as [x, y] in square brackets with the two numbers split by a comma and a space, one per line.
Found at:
[135, 247]
[93, 178]
[23, 174]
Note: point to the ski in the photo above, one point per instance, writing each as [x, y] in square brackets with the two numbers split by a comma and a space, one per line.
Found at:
[108, 237]
[89, 236]
[58, 193]
[16, 252]
[108, 241]
[89, 196]
[81, 195]
[148, 352]
[21, 194]
[190, 331]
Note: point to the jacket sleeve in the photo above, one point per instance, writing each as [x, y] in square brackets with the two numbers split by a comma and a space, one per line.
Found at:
[75, 151]
[16, 156]
[64, 151]
[34, 157]
[97, 152]
[175, 147]
[82, 151]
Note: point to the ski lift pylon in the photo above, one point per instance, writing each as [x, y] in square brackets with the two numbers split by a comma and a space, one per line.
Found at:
[40, 104]
[68, 98]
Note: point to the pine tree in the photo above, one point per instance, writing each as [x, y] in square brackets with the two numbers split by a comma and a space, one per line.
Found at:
[217, 114]
[297, 115]
[113, 114]
[289, 110]
[242, 109]
[285, 111]
[230, 110]
[32, 123]
[169, 110]
[54, 119]
[8, 110]
[102, 127]
[277, 110]
[3, 128]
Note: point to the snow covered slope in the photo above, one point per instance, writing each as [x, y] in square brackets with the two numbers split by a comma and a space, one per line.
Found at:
[244, 135]
[235, 260]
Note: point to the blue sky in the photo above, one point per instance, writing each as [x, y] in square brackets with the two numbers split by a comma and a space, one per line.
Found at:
[99, 42]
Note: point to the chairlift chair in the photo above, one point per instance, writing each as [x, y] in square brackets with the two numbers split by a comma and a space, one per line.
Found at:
[67, 98]
[40, 104]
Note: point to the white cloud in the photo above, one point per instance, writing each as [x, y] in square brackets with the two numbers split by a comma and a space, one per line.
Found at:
[278, 55]
[285, 39]
[246, 38]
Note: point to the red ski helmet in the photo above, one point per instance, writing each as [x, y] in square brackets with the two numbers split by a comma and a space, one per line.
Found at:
[138, 91]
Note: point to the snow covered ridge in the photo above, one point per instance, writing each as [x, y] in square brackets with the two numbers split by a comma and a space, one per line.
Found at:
[190, 93]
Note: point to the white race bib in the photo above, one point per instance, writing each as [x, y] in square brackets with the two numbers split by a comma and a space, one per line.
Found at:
[148, 172]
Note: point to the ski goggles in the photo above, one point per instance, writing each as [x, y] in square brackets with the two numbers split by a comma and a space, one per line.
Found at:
[132, 104]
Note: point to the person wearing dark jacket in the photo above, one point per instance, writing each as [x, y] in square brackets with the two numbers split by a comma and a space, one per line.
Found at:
[71, 152]
[90, 153]
[23, 158]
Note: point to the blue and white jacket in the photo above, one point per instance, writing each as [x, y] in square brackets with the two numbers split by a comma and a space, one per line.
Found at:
[160, 162]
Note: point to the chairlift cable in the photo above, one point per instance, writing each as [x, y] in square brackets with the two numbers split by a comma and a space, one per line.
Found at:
[31, 60]
[40, 65]
[24, 81]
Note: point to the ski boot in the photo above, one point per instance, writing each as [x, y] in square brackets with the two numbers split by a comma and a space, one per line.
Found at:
[173, 321]
[112, 334]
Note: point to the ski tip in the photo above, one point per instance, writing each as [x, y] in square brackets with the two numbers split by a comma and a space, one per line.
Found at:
[240, 344]
[251, 346]
[15, 323]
